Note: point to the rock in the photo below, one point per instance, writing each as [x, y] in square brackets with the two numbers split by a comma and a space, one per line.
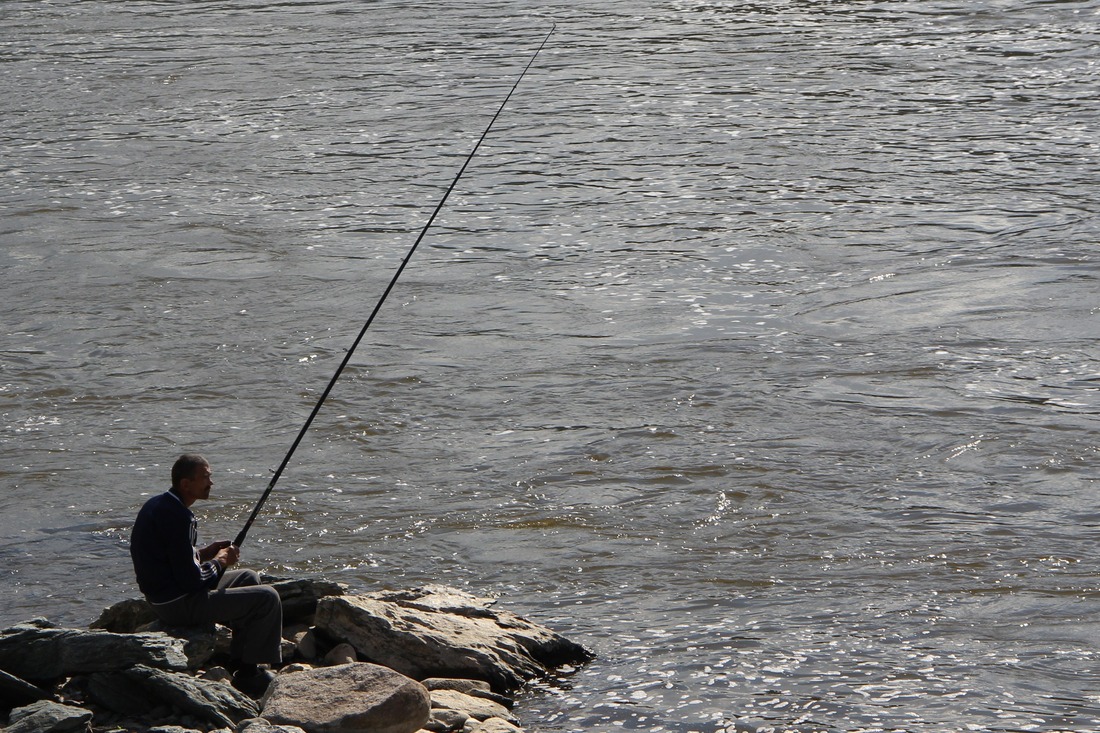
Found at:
[296, 667]
[15, 692]
[503, 700]
[444, 720]
[474, 707]
[443, 632]
[46, 716]
[217, 674]
[128, 668]
[125, 617]
[348, 699]
[340, 654]
[137, 690]
[200, 642]
[300, 596]
[450, 683]
[307, 645]
[36, 652]
[259, 725]
[119, 693]
[137, 615]
[495, 725]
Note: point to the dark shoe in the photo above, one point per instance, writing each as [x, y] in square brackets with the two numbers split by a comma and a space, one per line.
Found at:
[253, 682]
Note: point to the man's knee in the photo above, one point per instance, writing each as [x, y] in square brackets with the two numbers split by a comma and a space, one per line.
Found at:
[265, 603]
[243, 578]
[271, 597]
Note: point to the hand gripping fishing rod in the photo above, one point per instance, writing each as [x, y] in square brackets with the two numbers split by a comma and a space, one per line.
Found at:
[378, 306]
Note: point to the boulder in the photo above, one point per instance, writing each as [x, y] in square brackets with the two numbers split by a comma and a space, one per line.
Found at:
[259, 725]
[473, 707]
[15, 692]
[340, 654]
[350, 698]
[300, 596]
[444, 720]
[125, 617]
[442, 632]
[307, 645]
[39, 651]
[137, 615]
[495, 725]
[199, 642]
[139, 689]
[46, 716]
[448, 683]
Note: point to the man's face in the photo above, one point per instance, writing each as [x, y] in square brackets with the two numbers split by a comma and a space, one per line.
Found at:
[198, 486]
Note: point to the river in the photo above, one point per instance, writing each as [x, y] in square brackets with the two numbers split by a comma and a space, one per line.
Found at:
[756, 349]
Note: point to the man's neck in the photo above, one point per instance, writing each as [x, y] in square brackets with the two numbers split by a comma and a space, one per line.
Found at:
[175, 492]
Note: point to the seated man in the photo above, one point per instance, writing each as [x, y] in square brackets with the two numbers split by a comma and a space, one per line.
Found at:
[189, 585]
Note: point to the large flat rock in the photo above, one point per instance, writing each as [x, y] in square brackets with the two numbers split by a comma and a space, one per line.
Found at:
[37, 650]
[443, 632]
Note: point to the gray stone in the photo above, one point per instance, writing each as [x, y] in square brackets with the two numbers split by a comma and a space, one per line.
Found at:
[475, 707]
[300, 596]
[199, 642]
[504, 700]
[444, 720]
[296, 667]
[443, 632]
[46, 716]
[259, 725]
[35, 652]
[15, 692]
[120, 693]
[217, 674]
[137, 615]
[495, 725]
[351, 698]
[307, 645]
[340, 654]
[125, 617]
[450, 683]
[137, 690]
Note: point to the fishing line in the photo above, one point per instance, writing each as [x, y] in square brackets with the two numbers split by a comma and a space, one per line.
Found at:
[378, 306]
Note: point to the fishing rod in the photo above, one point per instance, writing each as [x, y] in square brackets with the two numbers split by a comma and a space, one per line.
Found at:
[378, 306]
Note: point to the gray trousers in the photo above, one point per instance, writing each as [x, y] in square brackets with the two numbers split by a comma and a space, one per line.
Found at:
[252, 610]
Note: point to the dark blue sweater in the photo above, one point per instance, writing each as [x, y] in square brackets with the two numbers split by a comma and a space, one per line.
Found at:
[162, 546]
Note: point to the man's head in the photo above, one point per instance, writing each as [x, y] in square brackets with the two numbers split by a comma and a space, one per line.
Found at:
[191, 478]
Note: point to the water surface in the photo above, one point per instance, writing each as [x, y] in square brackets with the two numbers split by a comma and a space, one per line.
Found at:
[756, 349]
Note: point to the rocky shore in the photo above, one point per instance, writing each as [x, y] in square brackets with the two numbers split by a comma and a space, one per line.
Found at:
[433, 659]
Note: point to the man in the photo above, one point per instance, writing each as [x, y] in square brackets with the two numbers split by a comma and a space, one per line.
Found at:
[189, 585]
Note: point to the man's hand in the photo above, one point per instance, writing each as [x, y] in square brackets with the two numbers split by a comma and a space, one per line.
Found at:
[228, 555]
[207, 553]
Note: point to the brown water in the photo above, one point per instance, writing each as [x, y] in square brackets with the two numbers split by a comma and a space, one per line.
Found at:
[756, 349]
